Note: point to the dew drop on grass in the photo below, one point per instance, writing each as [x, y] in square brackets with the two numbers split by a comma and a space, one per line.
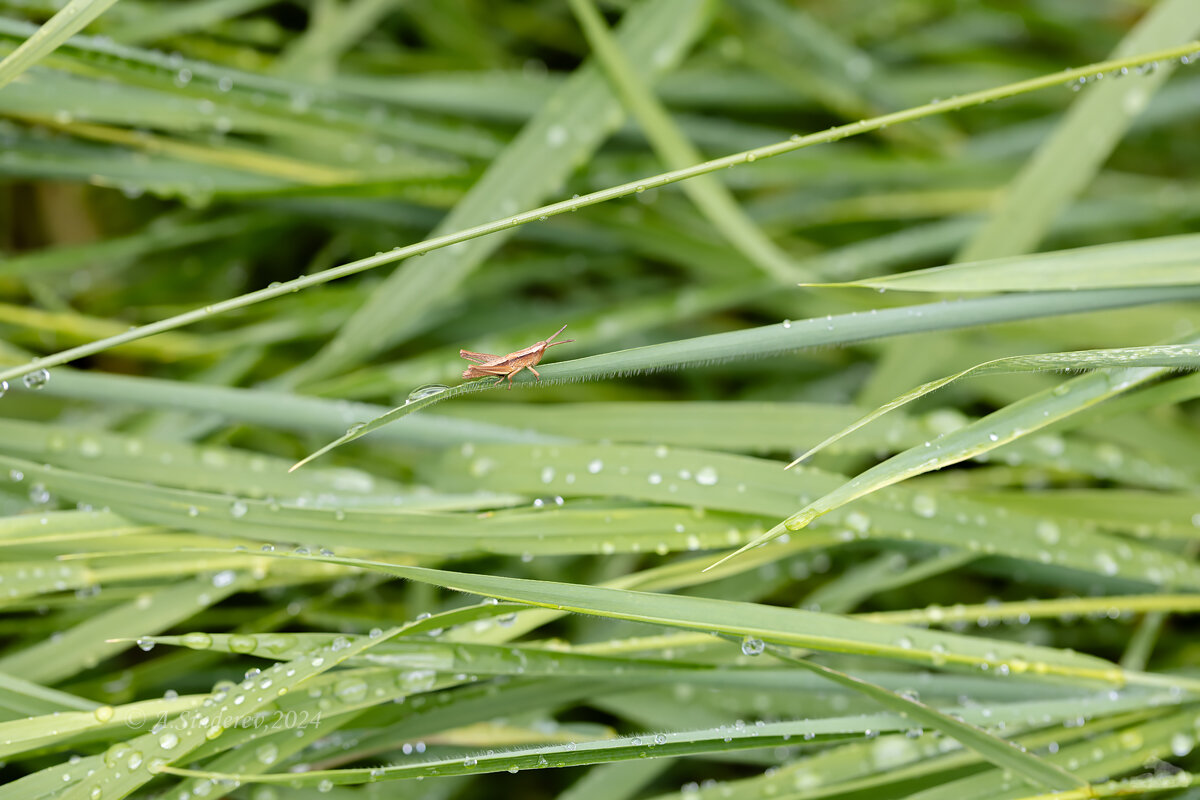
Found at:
[547, 474]
[1106, 563]
[238, 509]
[3, 387]
[594, 466]
[267, 754]
[654, 478]
[325, 786]
[421, 392]
[103, 713]
[1048, 531]
[145, 644]
[168, 740]
[924, 505]
[753, 646]
[707, 476]
[36, 379]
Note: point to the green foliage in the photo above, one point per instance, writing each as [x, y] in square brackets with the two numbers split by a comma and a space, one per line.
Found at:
[472, 591]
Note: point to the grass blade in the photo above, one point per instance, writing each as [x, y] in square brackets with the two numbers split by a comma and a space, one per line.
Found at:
[1170, 356]
[68, 21]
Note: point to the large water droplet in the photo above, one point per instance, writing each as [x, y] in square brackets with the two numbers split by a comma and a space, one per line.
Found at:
[707, 476]
[753, 646]
[421, 392]
[36, 379]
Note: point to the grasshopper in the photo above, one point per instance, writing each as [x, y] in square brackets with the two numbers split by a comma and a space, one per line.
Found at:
[511, 364]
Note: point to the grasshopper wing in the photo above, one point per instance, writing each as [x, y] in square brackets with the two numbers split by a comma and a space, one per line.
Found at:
[479, 358]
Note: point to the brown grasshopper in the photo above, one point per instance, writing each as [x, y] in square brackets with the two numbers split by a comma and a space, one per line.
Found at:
[511, 364]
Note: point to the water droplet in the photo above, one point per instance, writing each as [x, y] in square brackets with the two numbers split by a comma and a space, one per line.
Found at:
[223, 578]
[556, 136]
[103, 713]
[1182, 744]
[654, 478]
[547, 474]
[924, 505]
[707, 476]
[1106, 563]
[168, 741]
[267, 753]
[753, 646]
[421, 392]
[3, 387]
[660, 738]
[145, 644]
[325, 786]
[1048, 531]
[595, 465]
[470, 761]
[238, 509]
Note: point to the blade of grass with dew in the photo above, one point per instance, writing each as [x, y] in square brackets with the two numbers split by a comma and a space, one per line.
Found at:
[833, 134]
[68, 21]
[1003, 754]
[1000, 427]
[569, 126]
[790, 336]
[1066, 162]
[771, 624]
[386, 528]
[644, 745]
[117, 778]
[719, 481]
[1039, 609]
[709, 195]
[1164, 261]
[1170, 356]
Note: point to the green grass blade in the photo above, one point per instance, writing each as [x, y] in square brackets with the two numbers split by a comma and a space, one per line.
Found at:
[771, 624]
[1170, 356]
[1165, 261]
[68, 21]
